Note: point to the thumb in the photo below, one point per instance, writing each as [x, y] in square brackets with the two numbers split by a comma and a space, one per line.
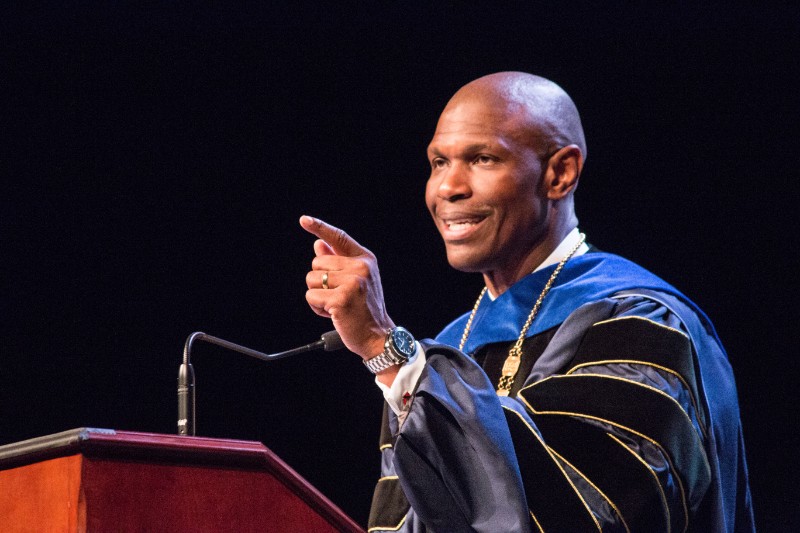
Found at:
[322, 248]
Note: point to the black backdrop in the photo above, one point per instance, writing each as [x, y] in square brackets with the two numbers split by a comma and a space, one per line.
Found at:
[155, 160]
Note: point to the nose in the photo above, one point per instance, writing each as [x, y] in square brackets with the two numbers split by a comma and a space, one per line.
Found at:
[454, 183]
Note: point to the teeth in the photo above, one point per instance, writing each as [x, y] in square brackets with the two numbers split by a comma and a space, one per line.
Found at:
[459, 225]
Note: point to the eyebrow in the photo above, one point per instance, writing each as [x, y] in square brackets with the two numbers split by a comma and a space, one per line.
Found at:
[470, 148]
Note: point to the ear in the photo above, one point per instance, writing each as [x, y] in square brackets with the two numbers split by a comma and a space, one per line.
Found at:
[562, 172]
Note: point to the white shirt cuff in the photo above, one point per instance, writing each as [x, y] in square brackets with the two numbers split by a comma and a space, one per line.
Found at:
[398, 396]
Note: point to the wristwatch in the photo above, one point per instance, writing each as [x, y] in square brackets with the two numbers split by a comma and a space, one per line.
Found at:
[397, 349]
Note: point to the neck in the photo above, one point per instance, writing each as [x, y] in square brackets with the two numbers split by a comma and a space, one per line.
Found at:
[500, 280]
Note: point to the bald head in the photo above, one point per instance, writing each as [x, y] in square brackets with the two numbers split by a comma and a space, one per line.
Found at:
[543, 110]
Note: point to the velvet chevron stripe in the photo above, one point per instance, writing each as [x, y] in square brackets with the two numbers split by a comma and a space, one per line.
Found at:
[389, 506]
[631, 406]
[640, 339]
[625, 479]
[552, 498]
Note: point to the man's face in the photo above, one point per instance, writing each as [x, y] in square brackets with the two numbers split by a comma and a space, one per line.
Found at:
[484, 189]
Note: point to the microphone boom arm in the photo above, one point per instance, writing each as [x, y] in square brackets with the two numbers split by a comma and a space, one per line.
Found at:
[186, 393]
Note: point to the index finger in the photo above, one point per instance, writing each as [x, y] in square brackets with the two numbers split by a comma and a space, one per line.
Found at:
[339, 241]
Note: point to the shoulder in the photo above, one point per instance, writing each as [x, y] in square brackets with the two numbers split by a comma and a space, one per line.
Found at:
[619, 329]
[636, 329]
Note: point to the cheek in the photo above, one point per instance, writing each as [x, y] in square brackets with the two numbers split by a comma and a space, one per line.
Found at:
[499, 190]
[430, 195]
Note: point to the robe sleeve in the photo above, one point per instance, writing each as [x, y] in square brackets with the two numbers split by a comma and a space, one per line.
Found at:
[613, 441]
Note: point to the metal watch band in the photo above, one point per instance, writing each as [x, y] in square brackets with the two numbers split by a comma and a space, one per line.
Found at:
[382, 362]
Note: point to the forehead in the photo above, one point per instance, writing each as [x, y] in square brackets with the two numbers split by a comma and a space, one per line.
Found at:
[475, 122]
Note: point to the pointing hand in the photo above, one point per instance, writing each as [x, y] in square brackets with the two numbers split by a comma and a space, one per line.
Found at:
[353, 298]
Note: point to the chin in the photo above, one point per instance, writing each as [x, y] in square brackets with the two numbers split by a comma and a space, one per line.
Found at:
[464, 261]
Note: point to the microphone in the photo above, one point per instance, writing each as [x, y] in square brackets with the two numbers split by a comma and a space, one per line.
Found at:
[330, 341]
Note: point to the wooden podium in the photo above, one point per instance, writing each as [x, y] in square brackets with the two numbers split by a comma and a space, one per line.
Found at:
[99, 480]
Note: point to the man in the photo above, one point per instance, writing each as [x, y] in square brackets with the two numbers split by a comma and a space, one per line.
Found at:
[581, 393]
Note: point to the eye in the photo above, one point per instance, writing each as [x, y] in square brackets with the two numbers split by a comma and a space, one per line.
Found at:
[438, 162]
[484, 159]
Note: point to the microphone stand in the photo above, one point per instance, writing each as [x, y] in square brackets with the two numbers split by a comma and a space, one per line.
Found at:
[329, 341]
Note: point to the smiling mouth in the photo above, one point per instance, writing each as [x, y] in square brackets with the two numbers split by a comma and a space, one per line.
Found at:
[461, 226]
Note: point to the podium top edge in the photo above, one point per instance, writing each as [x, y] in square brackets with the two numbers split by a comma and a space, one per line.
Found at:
[94, 442]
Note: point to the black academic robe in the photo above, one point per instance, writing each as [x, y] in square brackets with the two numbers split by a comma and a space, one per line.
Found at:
[623, 417]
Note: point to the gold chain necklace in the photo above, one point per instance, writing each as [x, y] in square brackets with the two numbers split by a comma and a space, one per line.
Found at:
[512, 362]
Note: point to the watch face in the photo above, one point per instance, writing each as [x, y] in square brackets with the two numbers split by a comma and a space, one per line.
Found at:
[403, 341]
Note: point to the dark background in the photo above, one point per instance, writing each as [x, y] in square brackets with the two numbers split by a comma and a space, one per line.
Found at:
[155, 160]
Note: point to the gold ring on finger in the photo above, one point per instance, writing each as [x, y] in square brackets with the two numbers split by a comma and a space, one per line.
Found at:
[325, 281]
